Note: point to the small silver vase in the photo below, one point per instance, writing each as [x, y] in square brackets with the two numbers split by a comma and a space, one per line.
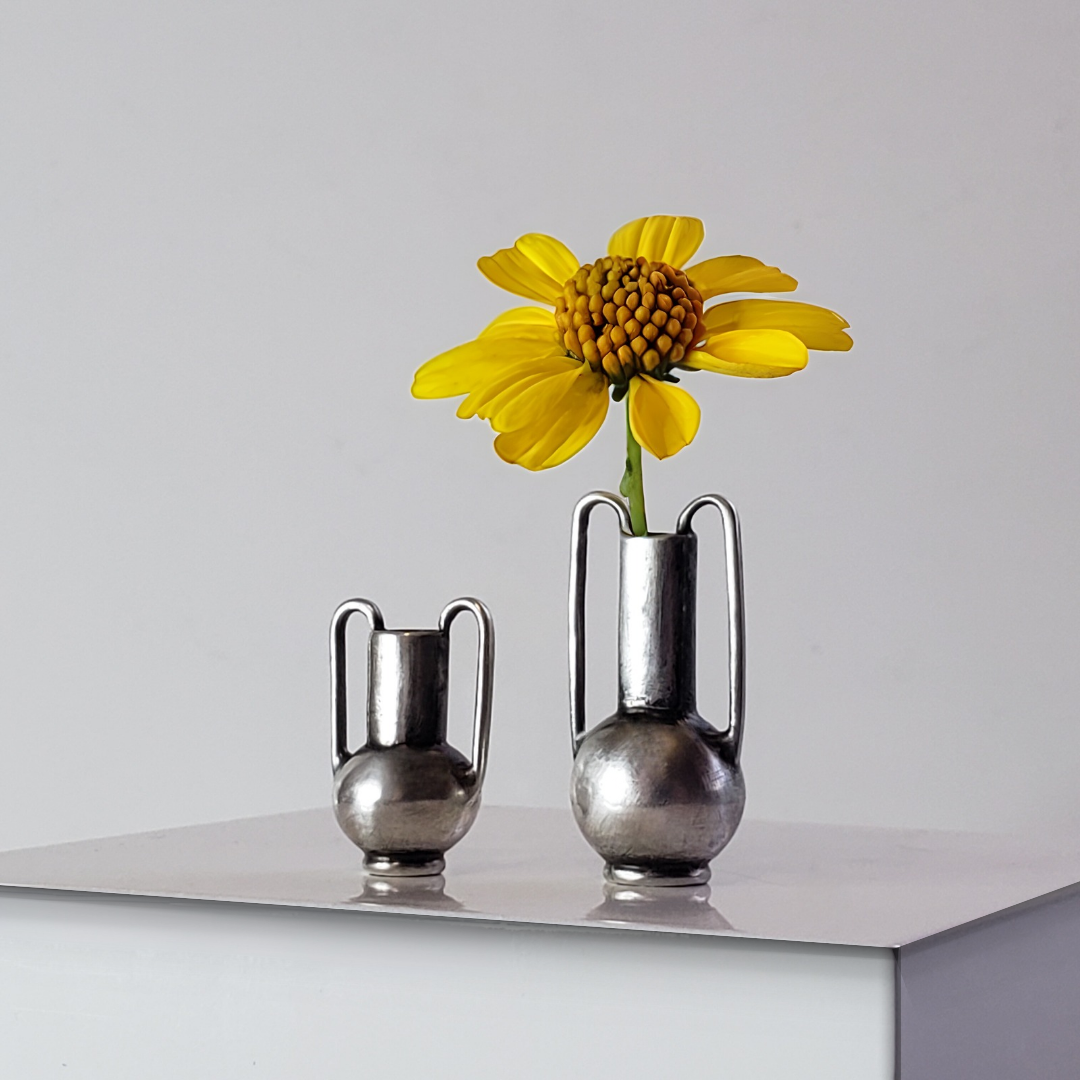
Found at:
[656, 790]
[407, 796]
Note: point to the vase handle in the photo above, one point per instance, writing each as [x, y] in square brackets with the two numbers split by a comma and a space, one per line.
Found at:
[579, 543]
[339, 752]
[485, 674]
[736, 622]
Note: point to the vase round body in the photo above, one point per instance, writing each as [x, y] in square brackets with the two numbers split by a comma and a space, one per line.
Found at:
[407, 796]
[657, 790]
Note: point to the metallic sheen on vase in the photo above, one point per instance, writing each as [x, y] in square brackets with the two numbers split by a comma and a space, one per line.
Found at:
[656, 790]
[407, 796]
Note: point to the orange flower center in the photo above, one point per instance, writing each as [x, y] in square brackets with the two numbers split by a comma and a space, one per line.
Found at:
[629, 316]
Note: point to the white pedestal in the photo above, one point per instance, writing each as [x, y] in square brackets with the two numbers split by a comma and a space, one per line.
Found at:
[820, 952]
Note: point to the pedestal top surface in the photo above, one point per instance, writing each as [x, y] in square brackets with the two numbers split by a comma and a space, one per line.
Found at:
[779, 881]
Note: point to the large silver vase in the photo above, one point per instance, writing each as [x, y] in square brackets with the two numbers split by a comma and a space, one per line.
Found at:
[407, 796]
[657, 790]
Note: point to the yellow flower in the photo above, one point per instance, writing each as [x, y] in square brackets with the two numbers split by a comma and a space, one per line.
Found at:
[628, 323]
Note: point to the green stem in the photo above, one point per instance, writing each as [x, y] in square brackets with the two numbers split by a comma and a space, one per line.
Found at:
[633, 481]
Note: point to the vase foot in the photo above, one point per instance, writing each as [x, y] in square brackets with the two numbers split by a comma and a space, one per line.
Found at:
[657, 875]
[404, 864]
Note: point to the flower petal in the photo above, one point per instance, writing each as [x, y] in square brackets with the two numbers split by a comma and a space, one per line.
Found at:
[529, 403]
[752, 354]
[523, 322]
[552, 256]
[815, 327]
[624, 241]
[500, 387]
[534, 267]
[461, 369]
[737, 273]
[663, 417]
[660, 238]
[555, 436]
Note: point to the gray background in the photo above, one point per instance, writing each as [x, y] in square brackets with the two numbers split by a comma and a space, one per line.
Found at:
[231, 231]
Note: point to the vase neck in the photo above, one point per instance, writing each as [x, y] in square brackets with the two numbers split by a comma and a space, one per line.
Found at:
[407, 687]
[657, 621]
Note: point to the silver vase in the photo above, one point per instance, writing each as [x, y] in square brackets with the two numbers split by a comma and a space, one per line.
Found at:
[407, 796]
[656, 790]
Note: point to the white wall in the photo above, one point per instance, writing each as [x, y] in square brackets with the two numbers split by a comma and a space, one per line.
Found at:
[231, 231]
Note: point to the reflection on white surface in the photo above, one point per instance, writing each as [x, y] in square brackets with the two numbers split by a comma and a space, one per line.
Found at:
[687, 906]
[817, 883]
[407, 894]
